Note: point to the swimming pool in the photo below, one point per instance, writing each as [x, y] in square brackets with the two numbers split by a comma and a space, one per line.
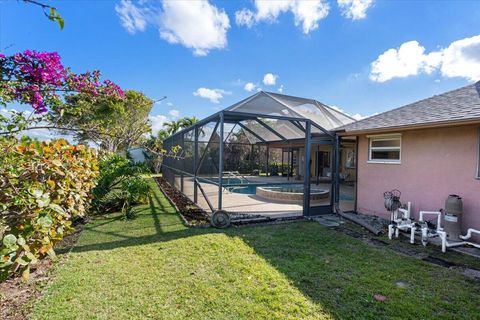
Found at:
[287, 188]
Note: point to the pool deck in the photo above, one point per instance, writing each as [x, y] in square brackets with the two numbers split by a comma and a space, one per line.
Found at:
[253, 204]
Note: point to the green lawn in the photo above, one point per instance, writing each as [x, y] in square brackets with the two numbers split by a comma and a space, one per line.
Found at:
[154, 267]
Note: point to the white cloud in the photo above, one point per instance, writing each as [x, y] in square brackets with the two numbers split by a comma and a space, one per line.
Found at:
[354, 9]
[280, 89]
[43, 134]
[249, 86]
[245, 17]
[269, 79]
[132, 18]
[174, 113]
[356, 116]
[197, 25]
[409, 59]
[169, 104]
[460, 59]
[306, 14]
[157, 123]
[214, 95]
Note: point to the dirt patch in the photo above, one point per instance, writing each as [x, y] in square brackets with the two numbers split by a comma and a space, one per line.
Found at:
[192, 214]
[350, 232]
[439, 262]
[17, 297]
[408, 251]
[378, 242]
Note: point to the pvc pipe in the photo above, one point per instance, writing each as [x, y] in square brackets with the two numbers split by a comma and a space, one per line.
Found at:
[469, 234]
[437, 213]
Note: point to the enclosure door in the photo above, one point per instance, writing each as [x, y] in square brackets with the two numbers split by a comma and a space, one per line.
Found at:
[321, 179]
[348, 174]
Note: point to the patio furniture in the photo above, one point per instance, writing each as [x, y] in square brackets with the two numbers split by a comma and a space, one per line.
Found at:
[401, 220]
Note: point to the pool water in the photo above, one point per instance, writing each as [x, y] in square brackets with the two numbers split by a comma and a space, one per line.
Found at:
[295, 188]
[288, 188]
[244, 190]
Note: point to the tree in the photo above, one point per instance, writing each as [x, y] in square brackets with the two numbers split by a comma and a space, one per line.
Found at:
[40, 80]
[110, 123]
[50, 12]
[162, 135]
[172, 126]
[187, 122]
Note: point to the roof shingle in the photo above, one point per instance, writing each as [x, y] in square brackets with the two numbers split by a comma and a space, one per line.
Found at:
[456, 105]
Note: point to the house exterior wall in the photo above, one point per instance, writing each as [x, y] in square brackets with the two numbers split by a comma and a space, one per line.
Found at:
[434, 164]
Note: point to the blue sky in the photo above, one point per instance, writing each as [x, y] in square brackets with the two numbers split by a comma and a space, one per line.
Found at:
[323, 52]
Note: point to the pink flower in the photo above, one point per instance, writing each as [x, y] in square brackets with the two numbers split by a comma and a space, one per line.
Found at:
[38, 76]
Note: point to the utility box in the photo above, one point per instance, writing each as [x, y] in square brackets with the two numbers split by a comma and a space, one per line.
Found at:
[452, 219]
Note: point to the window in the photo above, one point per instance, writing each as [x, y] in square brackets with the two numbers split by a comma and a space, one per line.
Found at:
[384, 149]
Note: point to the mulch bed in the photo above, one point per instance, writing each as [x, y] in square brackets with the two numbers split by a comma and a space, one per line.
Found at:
[192, 214]
[17, 297]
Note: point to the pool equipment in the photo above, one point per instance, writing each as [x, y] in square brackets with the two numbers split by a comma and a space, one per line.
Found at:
[401, 220]
[429, 231]
[452, 218]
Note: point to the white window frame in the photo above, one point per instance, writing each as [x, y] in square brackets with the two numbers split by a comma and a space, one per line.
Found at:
[384, 137]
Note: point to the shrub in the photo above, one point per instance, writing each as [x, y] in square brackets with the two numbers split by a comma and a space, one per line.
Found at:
[120, 185]
[44, 185]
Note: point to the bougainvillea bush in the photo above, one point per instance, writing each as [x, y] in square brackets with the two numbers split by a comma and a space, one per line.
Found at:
[43, 186]
[39, 79]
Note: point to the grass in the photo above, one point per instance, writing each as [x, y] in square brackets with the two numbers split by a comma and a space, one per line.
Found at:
[154, 267]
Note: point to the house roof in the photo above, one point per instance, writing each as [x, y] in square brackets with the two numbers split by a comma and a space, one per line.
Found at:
[458, 105]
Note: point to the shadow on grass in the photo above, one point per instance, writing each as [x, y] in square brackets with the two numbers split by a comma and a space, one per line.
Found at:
[157, 214]
[343, 275]
[339, 273]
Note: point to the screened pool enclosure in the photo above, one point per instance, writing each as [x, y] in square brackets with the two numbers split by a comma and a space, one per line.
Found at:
[270, 154]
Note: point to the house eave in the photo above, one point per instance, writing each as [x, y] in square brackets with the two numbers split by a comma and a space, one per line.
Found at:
[442, 124]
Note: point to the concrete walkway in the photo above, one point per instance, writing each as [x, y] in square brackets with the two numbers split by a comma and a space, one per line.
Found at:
[251, 203]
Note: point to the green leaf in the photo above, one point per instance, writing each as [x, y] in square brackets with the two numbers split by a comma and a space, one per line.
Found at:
[32, 258]
[45, 221]
[37, 193]
[22, 261]
[56, 208]
[21, 241]
[60, 22]
[56, 162]
[9, 240]
[26, 274]
[51, 253]
[43, 202]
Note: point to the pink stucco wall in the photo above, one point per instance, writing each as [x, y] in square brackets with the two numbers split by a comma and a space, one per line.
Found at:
[435, 163]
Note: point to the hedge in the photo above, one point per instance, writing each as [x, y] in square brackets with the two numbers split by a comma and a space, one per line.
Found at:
[43, 186]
